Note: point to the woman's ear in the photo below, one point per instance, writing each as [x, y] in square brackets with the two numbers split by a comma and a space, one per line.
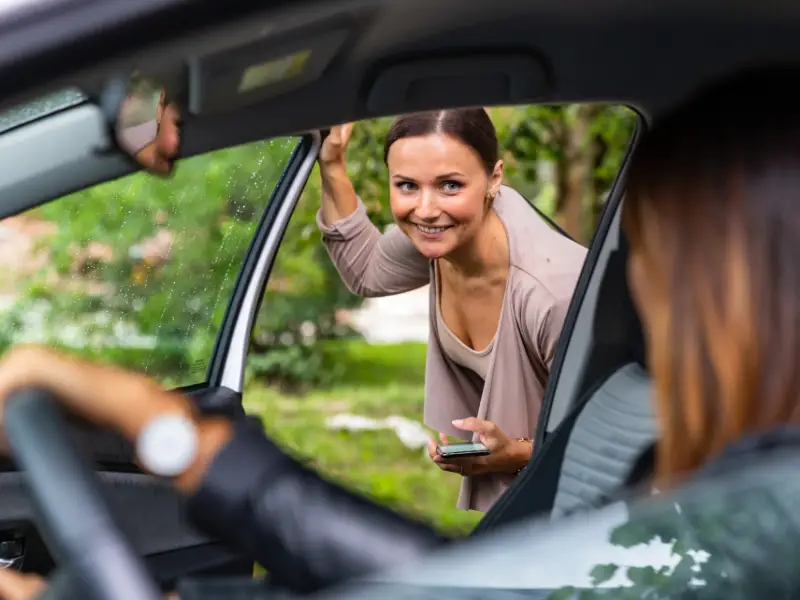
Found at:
[496, 179]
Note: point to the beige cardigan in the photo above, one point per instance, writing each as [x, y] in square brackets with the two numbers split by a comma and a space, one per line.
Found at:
[544, 268]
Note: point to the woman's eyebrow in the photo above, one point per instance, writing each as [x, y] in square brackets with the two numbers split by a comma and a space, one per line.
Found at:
[452, 174]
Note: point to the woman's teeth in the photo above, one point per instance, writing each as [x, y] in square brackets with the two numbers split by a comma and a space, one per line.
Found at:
[430, 229]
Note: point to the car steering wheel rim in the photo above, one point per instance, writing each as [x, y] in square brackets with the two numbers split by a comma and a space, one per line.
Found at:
[73, 517]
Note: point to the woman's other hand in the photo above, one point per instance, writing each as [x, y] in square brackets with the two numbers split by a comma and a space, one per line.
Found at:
[334, 147]
[507, 455]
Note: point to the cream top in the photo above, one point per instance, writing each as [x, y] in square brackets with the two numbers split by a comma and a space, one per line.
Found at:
[543, 269]
[477, 361]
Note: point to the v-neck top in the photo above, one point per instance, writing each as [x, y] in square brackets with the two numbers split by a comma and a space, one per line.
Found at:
[544, 267]
[477, 361]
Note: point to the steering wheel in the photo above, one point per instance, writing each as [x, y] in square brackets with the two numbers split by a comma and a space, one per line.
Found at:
[73, 517]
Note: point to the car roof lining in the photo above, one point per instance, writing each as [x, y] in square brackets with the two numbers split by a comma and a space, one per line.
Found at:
[606, 50]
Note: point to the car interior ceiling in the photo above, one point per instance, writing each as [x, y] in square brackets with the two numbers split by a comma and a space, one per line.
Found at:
[394, 57]
[377, 58]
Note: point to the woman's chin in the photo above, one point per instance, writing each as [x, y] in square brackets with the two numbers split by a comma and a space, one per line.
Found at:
[433, 250]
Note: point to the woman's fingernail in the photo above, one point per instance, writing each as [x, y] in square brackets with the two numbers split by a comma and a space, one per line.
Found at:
[458, 422]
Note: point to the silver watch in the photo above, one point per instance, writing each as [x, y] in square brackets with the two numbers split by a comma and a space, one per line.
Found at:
[167, 445]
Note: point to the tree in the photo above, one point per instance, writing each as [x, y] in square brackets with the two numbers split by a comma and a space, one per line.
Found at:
[565, 158]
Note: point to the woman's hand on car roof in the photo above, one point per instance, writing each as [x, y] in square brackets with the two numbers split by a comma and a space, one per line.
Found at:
[334, 147]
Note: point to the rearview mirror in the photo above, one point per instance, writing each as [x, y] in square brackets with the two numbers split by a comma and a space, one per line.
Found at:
[145, 123]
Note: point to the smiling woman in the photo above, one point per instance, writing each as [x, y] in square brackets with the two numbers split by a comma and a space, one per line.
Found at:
[503, 280]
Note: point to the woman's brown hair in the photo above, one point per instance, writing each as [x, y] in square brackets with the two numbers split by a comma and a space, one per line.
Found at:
[713, 209]
[471, 126]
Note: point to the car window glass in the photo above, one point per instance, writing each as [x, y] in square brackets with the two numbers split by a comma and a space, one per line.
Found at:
[138, 272]
[339, 379]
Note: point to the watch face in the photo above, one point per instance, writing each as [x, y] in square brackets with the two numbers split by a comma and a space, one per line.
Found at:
[167, 445]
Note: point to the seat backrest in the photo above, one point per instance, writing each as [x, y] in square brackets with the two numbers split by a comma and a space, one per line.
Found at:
[616, 421]
[614, 427]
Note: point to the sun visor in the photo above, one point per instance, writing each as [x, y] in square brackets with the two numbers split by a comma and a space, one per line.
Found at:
[470, 80]
[260, 70]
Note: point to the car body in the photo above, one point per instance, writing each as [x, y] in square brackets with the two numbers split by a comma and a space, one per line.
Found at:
[374, 58]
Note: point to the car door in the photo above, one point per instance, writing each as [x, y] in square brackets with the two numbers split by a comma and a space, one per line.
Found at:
[159, 275]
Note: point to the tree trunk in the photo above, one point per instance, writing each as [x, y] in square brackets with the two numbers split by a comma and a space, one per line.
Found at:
[575, 189]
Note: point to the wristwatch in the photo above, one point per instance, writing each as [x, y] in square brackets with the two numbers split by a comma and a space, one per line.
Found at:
[167, 445]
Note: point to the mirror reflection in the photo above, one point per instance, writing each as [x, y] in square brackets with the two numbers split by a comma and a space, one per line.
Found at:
[147, 125]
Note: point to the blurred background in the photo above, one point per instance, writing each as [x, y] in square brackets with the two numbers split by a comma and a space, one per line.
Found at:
[138, 272]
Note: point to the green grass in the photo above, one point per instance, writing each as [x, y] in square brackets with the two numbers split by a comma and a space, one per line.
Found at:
[374, 381]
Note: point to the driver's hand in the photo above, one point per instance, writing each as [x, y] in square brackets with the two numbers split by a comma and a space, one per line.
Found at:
[111, 398]
[17, 586]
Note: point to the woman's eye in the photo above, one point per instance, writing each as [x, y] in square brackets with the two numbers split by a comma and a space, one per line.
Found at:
[451, 187]
[406, 186]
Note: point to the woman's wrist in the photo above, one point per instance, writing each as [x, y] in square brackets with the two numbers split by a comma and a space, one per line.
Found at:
[213, 434]
[521, 451]
[333, 168]
[339, 199]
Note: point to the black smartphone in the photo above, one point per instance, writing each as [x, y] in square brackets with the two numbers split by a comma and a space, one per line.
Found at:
[463, 450]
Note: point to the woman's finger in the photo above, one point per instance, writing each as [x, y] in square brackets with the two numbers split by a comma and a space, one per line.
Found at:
[432, 450]
[443, 440]
[346, 130]
[449, 467]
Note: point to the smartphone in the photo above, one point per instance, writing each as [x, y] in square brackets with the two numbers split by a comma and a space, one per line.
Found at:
[463, 450]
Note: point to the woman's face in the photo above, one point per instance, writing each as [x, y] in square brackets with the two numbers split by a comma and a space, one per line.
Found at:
[439, 190]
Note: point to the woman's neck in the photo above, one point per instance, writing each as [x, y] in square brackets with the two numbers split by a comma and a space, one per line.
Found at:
[485, 253]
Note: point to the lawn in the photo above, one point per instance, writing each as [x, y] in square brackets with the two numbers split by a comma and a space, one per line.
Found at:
[375, 381]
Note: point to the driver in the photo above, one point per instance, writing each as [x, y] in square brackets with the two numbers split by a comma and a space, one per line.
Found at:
[714, 232]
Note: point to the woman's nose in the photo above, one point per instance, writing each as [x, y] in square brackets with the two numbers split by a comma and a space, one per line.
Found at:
[427, 208]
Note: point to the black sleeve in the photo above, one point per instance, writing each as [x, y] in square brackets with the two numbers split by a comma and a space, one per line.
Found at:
[307, 532]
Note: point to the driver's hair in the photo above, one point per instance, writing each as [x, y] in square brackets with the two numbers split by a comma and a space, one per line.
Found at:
[713, 207]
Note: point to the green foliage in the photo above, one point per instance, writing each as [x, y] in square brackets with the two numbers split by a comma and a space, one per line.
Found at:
[375, 382]
[107, 269]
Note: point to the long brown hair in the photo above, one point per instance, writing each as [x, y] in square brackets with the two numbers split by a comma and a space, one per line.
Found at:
[713, 208]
